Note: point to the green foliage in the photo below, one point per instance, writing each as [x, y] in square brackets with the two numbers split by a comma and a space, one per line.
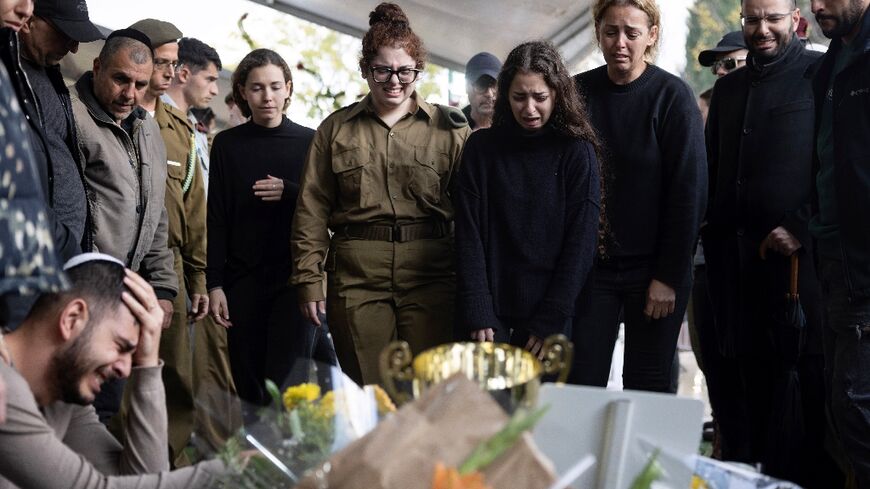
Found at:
[428, 85]
[708, 22]
[300, 439]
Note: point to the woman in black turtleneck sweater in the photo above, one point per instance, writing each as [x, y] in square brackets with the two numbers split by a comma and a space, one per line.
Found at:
[253, 184]
[527, 205]
[653, 142]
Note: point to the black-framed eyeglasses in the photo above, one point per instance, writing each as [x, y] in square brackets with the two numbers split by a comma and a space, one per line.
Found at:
[382, 74]
[162, 64]
[728, 63]
[754, 20]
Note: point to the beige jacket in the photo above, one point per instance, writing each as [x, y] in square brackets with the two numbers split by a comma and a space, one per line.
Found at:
[66, 446]
[126, 179]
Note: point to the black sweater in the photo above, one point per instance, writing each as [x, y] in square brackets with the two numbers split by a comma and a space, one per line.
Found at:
[654, 153]
[527, 209]
[245, 234]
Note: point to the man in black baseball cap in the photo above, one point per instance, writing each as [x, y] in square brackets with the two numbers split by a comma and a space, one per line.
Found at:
[728, 55]
[69, 17]
[56, 29]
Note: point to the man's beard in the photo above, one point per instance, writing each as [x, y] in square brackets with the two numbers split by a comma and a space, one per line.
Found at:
[781, 45]
[845, 22]
[70, 368]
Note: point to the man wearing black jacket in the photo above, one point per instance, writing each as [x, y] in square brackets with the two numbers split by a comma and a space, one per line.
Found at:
[73, 17]
[760, 163]
[842, 164]
[56, 29]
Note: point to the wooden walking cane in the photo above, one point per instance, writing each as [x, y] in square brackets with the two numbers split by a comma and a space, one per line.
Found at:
[793, 281]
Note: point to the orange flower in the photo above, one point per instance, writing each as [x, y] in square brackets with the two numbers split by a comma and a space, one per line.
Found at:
[449, 478]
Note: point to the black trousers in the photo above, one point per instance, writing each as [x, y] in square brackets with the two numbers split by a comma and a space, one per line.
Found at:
[847, 367]
[650, 344]
[268, 337]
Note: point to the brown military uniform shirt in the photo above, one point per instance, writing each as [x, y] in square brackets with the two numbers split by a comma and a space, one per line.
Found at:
[360, 171]
[186, 210]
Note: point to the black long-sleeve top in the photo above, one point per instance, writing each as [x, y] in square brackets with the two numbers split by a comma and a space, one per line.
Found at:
[527, 212]
[653, 139]
[246, 234]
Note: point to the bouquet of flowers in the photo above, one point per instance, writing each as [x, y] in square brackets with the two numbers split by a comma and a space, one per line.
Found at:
[299, 430]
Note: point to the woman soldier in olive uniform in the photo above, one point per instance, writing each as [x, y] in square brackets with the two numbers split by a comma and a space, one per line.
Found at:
[377, 175]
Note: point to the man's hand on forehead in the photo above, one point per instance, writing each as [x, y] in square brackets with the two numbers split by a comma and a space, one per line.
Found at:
[143, 304]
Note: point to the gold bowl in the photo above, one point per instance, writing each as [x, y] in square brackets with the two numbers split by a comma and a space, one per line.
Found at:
[511, 374]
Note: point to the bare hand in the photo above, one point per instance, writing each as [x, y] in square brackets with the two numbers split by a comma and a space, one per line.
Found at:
[660, 300]
[486, 334]
[311, 309]
[780, 241]
[270, 189]
[167, 307]
[198, 306]
[535, 345]
[145, 307]
[220, 310]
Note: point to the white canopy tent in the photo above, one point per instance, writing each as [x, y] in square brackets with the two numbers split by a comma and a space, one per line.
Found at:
[455, 30]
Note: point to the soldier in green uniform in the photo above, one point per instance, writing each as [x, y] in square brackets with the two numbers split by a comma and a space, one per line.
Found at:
[189, 356]
[378, 176]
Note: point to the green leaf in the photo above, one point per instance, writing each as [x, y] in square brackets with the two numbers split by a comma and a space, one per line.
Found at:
[497, 444]
[651, 472]
[274, 392]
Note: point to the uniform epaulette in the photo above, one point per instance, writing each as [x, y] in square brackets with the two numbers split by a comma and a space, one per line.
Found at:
[454, 116]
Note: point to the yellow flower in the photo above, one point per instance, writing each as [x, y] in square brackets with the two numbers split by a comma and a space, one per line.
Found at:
[327, 405]
[299, 393]
[385, 404]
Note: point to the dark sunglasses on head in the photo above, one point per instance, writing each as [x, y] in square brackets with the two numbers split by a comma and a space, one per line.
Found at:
[728, 63]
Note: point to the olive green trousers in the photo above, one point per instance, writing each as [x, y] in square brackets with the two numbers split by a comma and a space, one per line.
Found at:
[381, 291]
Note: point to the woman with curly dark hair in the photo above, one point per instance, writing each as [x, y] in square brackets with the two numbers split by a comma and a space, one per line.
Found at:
[528, 204]
[377, 176]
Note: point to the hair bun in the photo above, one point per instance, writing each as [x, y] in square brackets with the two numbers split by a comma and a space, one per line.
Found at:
[388, 13]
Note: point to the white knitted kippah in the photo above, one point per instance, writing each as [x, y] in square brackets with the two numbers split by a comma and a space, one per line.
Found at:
[87, 257]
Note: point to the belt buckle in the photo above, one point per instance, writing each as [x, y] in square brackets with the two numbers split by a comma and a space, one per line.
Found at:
[396, 233]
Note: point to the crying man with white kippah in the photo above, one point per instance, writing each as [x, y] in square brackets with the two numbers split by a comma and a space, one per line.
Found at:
[107, 325]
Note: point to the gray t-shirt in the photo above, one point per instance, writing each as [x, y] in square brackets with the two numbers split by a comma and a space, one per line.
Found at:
[70, 201]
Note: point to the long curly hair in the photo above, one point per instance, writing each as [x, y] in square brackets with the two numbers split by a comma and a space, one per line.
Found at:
[390, 27]
[569, 116]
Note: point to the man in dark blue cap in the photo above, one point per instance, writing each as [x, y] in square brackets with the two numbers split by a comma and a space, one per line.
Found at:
[481, 73]
[728, 55]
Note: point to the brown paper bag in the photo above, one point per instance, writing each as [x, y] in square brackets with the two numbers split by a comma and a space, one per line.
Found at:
[445, 425]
